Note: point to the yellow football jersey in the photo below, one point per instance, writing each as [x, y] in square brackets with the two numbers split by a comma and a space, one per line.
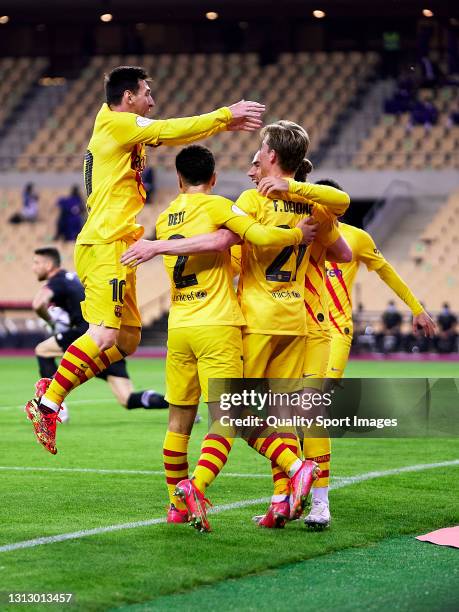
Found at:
[271, 283]
[341, 277]
[114, 162]
[202, 291]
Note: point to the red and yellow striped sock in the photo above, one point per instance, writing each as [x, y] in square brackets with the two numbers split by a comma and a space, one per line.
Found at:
[280, 478]
[175, 457]
[107, 357]
[81, 361]
[215, 449]
[319, 450]
[269, 444]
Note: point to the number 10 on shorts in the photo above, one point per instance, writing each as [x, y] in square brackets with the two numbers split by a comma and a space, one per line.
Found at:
[117, 290]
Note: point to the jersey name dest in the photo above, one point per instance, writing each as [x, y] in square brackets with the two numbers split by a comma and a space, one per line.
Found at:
[176, 218]
[298, 208]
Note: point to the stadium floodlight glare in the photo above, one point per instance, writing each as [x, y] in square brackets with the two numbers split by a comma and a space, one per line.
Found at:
[427, 13]
[4, 19]
[319, 14]
[212, 15]
[106, 17]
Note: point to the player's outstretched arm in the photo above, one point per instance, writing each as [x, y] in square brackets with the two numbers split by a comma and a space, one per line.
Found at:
[421, 319]
[334, 200]
[242, 116]
[144, 250]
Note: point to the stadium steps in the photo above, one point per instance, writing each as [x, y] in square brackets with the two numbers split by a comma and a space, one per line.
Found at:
[357, 124]
[397, 245]
[33, 111]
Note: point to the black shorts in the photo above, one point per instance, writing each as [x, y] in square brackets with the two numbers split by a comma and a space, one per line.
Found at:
[65, 339]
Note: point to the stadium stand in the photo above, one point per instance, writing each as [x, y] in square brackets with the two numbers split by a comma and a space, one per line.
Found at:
[395, 143]
[16, 76]
[190, 84]
[19, 284]
[430, 270]
[346, 85]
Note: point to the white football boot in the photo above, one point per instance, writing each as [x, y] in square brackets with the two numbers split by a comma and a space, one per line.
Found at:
[319, 516]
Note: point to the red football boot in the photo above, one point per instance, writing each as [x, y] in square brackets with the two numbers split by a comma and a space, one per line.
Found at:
[195, 502]
[276, 516]
[176, 515]
[300, 484]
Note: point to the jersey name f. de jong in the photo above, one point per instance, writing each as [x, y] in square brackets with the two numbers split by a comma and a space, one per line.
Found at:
[271, 284]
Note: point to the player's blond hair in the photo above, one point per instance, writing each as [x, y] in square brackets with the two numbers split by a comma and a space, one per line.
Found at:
[290, 142]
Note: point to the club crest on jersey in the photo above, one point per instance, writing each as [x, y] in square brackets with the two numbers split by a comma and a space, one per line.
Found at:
[118, 311]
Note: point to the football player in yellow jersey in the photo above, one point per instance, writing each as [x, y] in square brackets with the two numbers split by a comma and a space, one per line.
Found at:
[316, 449]
[317, 352]
[205, 321]
[340, 281]
[113, 164]
[271, 283]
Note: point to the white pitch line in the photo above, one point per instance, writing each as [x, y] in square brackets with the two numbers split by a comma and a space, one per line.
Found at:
[349, 480]
[89, 532]
[239, 504]
[102, 471]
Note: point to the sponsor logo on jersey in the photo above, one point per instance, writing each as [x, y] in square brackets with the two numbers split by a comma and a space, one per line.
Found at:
[285, 294]
[189, 297]
[332, 272]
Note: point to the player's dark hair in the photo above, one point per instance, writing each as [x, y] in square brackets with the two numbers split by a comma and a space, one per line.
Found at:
[303, 170]
[347, 217]
[290, 142]
[121, 79]
[50, 253]
[195, 164]
[330, 183]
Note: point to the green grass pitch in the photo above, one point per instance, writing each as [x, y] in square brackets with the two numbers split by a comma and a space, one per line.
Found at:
[368, 559]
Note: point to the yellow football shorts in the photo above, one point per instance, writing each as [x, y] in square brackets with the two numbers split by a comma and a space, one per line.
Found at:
[268, 356]
[110, 287]
[196, 354]
[317, 354]
[340, 348]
